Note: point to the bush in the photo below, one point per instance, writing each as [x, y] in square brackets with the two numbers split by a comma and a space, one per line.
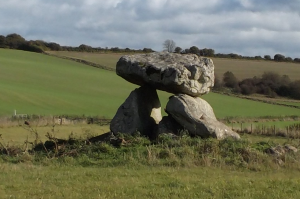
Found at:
[295, 89]
[270, 84]
[218, 83]
[247, 89]
[248, 86]
[230, 80]
[32, 48]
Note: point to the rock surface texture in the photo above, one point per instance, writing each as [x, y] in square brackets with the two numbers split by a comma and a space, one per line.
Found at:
[168, 125]
[197, 116]
[141, 111]
[171, 72]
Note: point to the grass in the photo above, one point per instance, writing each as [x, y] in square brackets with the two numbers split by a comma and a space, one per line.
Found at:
[282, 125]
[65, 181]
[228, 106]
[184, 168]
[249, 68]
[18, 134]
[38, 84]
[292, 103]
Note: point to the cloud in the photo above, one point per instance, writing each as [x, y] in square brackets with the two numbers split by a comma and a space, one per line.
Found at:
[247, 27]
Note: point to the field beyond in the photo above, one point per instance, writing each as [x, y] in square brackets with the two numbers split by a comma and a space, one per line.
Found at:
[44, 85]
[240, 68]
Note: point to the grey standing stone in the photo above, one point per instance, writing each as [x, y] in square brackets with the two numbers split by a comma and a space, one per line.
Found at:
[141, 111]
[197, 116]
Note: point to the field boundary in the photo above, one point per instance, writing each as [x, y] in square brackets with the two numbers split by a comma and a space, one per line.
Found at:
[83, 62]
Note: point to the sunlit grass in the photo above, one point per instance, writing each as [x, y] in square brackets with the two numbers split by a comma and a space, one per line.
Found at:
[18, 134]
[62, 180]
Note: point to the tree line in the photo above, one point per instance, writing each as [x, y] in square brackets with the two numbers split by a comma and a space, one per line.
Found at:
[15, 41]
[270, 84]
[170, 46]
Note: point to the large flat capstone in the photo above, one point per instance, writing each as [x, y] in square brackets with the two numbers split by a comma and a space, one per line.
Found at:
[171, 72]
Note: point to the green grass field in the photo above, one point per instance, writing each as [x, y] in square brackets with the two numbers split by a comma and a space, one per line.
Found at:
[67, 181]
[241, 68]
[44, 85]
[38, 84]
[292, 103]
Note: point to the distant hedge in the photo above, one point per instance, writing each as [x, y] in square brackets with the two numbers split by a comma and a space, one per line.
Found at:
[270, 84]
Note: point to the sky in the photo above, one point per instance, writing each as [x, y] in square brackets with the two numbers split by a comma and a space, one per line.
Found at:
[245, 27]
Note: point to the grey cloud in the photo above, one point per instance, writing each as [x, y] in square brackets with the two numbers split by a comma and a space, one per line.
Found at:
[247, 27]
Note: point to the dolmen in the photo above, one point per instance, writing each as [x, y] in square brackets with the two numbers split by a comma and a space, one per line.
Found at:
[187, 77]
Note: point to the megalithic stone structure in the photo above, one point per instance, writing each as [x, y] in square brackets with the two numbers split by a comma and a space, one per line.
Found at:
[185, 75]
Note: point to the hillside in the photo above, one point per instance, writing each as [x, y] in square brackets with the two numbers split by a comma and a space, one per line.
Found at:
[35, 83]
[40, 84]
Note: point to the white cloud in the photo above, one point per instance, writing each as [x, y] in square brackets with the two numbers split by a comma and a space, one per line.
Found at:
[247, 27]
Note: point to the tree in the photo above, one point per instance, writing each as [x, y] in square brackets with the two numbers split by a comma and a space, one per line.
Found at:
[178, 49]
[207, 52]
[54, 46]
[14, 40]
[217, 83]
[186, 51]
[289, 59]
[247, 87]
[2, 41]
[169, 45]
[194, 50]
[29, 46]
[297, 60]
[295, 89]
[279, 57]
[230, 80]
[234, 56]
[148, 50]
[271, 80]
[257, 57]
[267, 57]
[85, 48]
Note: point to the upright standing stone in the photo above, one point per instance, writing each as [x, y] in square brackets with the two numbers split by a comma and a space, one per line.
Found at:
[197, 116]
[141, 111]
